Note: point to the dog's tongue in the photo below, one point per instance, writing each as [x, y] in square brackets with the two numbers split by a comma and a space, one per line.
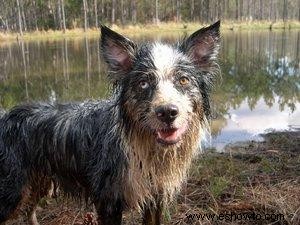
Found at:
[170, 135]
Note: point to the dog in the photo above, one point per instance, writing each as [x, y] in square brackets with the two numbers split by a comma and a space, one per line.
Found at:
[131, 151]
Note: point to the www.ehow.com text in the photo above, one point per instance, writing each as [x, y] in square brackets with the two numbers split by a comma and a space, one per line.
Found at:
[234, 217]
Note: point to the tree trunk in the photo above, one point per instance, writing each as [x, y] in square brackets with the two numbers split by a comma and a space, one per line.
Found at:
[237, 9]
[23, 16]
[85, 15]
[227, 9]
[276, 14]
[178, 14]
[260, 9]
[224, 7]
[133, 11]
[19, 18]
[192, 10]
[220, 9]
[241, 9]
[102, 9]
[122, 12]
[298, 13]
[249, 16]
[35, 15]
[96, 13]
[62, 4]
[284, 17]
[156, 11]
[113, 11]
[107, 10]
[207, 18]
[59, 16]
[271, 10]
[173, 10]
[215, 12]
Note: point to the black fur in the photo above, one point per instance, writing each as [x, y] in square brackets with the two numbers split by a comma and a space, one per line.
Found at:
[71, 142]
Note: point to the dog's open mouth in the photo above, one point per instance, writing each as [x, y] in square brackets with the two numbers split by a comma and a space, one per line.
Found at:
[170, 136]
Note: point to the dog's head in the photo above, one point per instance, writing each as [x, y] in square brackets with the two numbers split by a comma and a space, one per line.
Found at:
[163, 87]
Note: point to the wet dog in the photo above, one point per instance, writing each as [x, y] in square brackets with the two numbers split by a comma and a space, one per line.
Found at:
[131, 151]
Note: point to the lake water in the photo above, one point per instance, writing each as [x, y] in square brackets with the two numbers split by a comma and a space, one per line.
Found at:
[259, 89]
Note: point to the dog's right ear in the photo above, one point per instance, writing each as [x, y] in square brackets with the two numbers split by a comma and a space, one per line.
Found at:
[117, 50]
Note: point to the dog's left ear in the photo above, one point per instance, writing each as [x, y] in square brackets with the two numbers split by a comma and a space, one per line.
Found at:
[203, 45]
[117, 50]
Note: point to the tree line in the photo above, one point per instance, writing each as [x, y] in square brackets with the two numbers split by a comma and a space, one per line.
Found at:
[28, 15]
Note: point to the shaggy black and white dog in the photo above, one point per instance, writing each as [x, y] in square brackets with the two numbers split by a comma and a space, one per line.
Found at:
[131, 151]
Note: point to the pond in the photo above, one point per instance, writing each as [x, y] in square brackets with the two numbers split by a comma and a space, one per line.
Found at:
[258, 90]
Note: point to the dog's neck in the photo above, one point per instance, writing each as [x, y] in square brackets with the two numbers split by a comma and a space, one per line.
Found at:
[153, 167]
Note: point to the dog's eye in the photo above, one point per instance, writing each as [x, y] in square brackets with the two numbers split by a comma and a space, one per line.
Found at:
[144, 84]
[184, 80]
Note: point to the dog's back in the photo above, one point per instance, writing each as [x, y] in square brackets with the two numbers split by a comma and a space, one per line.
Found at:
[41, 141]
[60, 138]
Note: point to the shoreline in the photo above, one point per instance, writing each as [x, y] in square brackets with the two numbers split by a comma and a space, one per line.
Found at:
[143, 29]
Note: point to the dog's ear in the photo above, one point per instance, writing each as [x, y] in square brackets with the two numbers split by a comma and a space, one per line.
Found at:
[203, 45]
[117, 50]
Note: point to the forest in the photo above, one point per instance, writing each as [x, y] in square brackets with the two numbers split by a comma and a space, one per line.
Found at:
[31, 15]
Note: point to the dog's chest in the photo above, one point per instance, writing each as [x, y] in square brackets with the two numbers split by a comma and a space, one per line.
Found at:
[155, 171]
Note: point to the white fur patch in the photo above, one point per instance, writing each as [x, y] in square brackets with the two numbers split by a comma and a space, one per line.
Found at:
[168, 94]
[165, 58]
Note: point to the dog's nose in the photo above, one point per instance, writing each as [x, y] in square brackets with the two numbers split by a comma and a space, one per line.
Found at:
[167, 113]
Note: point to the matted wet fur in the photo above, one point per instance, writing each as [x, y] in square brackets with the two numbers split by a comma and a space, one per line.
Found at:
[129, 152]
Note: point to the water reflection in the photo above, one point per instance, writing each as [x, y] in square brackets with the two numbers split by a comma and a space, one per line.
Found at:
[66, 70]
[259, 89]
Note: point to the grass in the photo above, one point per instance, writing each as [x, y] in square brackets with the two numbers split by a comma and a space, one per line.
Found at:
[148, 29]
[258, 177]
[261, 178]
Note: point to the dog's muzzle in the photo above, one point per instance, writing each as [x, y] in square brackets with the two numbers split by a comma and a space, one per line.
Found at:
[170, 134]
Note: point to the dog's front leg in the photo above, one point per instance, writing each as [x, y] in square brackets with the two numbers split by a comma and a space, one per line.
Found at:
[153, 214]
[109, 213]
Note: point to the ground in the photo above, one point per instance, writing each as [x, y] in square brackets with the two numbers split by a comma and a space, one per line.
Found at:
[254, 178]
